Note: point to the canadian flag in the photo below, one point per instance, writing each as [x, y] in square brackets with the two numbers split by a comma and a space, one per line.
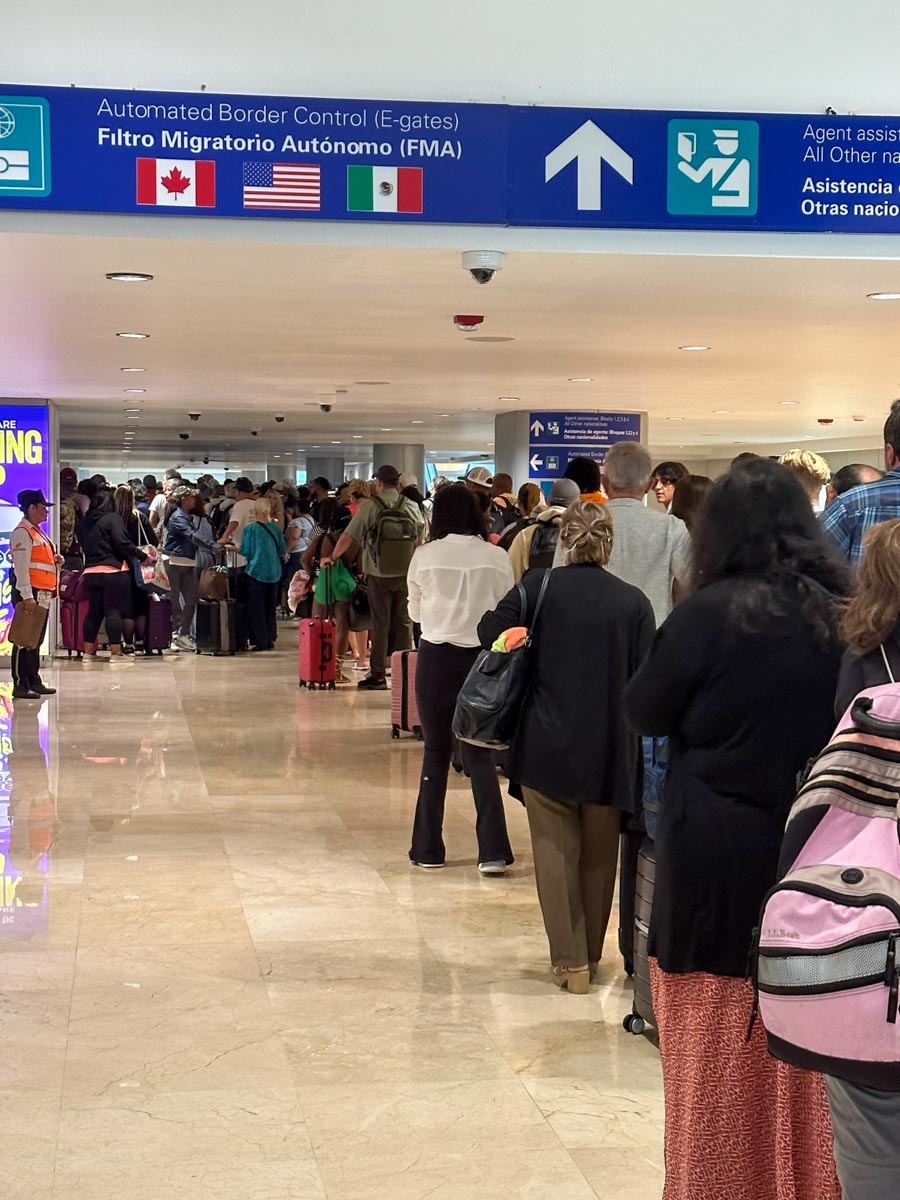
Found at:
[177, 182]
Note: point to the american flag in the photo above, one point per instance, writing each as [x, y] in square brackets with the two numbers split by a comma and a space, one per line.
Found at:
[282, 185]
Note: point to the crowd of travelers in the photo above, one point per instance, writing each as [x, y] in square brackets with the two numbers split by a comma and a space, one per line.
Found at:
[734, 618]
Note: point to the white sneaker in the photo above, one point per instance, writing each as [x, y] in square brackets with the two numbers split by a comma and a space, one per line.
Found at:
[90, 660]
[492, 868]
[183, 642]
[120, 660]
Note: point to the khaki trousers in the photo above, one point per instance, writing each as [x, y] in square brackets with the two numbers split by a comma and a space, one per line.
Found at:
[576, 849]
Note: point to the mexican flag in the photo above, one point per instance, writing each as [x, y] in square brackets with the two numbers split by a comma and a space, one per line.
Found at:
[384, 189]
[179, 182]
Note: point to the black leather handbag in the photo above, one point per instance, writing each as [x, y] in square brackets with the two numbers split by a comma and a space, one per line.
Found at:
[490, 701]
[360, 614]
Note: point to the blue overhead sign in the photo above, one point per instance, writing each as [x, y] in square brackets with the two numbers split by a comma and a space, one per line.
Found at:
[645, 169]
[556, 437]
[106, 151]
[163, 153]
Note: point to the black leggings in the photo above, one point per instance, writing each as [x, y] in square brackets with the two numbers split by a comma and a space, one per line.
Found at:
[440, 673]
[109, 599]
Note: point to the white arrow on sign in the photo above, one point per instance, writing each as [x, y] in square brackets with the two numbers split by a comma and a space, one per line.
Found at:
[536, 462]
[590, 147]
[537, 428]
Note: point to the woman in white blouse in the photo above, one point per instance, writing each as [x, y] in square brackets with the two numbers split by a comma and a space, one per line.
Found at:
[454, 580]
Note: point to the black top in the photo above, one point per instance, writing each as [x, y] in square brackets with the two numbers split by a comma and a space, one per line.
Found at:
[573, 742]
[859, 671]
[105, 541]
[744, 713]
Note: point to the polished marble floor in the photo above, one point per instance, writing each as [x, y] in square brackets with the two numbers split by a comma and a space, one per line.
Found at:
[221, 980]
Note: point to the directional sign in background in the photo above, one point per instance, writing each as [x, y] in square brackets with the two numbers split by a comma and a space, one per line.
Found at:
[557, 437]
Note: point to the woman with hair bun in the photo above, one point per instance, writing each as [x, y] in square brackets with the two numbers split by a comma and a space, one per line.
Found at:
[574, 759]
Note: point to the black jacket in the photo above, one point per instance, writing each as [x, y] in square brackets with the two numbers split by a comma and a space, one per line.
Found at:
[573, 743]
[105, 540]
[859, 671]
[744, 713]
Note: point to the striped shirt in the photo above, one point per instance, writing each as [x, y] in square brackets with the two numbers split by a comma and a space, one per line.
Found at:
[847, 519]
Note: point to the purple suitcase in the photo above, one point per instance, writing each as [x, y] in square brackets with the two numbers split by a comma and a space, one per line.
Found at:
[159, 624]
[71, 623]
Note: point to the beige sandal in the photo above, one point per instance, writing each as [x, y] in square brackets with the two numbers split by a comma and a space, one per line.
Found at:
[576, 979]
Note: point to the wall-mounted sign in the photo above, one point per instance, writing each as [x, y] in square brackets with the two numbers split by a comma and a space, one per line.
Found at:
[556, 437]
[24, 463]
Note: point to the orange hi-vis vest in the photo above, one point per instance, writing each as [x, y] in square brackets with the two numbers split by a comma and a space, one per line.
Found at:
[42, 571]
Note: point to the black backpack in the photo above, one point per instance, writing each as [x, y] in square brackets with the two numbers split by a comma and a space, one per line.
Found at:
[543, 544]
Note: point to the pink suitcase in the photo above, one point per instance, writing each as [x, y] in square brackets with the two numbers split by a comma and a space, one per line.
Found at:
[71, 622]
[404, 713]
[317, 654]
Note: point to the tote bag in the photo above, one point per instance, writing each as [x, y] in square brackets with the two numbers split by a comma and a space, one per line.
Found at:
[490, 700]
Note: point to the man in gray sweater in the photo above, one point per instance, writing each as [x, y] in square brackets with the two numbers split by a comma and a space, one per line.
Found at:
[650, 550]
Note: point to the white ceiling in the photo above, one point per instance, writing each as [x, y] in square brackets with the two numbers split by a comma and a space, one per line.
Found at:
[241, 331]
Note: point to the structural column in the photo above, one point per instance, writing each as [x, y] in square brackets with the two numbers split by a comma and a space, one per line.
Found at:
[409, 460]
[330, 467]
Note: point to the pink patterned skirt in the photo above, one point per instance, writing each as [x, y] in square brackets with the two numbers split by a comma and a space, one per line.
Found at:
[739, 1125]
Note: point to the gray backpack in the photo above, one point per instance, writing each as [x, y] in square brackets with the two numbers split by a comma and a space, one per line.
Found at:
[392, 539]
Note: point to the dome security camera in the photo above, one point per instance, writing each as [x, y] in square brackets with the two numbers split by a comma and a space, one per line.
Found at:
[326, 408]
[184, 435]
[482, 265]
[254, 433]
[206, 460]
[279, 417]
[195, 416]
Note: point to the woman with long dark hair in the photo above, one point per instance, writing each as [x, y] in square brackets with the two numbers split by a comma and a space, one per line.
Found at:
[741, 678]
[108, 556]
[454, 579]
[689, 497]
[134, 626]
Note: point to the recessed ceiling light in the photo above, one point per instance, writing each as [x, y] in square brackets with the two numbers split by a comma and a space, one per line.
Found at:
[132, 410]
[129, 276]
[788, 403]
[383, 430]
[129, 417]
[336, 443]
[276, 456]
[357, 437]
[693, 347]
[133, 335]
[674, 418]
[508, 400]
[721, 412]
[372, 383]
[417, 422]
[572, 379]
[132, 370]
[443, 414]
[883, 296]
[135, 391]
[317, 447]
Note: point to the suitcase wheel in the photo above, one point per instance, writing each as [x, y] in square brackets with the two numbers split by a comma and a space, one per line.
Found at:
[332, 686]
[395, 732]
[417, 733]
[634, 1024]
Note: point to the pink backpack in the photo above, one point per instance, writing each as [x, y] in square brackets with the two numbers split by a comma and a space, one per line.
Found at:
[827, 962]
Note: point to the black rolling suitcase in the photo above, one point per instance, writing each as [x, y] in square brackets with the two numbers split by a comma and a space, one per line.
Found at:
[216, 628]
[645, 877]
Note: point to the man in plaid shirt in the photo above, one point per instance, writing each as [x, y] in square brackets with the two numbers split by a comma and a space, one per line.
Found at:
[847, 519]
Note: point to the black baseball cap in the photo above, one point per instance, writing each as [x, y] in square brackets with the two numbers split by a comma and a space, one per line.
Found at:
[31, 496]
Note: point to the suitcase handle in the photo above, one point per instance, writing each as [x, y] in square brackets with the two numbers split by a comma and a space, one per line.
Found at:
[866, 722]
